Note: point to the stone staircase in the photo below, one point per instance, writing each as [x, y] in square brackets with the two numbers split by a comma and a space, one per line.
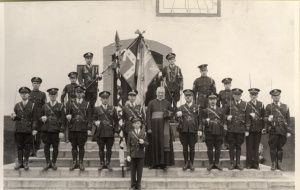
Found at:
[174, 178]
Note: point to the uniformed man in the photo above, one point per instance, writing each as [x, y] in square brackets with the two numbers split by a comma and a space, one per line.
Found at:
[130, 110]
[25, 116]
[106, 119]
[79, 116]
[203, 86]
[53, 117]
[212, 125]
[235, 112]
[224, 97]
[173, 80]
[69, 88]
[88, 77]
[189, 126]
[255, 123]
[277, 117]
[39, 99]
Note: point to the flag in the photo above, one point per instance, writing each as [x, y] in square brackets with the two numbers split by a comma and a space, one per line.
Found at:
[148, 69]
[128, 63]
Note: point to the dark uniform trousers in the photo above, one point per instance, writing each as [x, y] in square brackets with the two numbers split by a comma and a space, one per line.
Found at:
[39, 99]
[50, 138]
[91, 97]
[278, 129]
[136, 168]
[24, 144]
[78, 139]
[252, 144]
[106, 131]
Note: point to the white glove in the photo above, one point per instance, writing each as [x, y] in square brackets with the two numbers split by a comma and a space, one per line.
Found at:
[159, 74]
[179, 113]
[141, 141]
[247, 134]
[200, 133]
[270, 118]
[13, 115]
[128, 158]
[288, 134]
[264, 131]
[121, 134]
[89, 132]
[229, 117]
[252, 115]
[207, 119]
[34, 132]
[97, 123]
[69, 117]
[61, 135]
[44, 118]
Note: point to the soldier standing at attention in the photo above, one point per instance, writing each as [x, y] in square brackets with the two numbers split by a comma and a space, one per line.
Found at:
[136, 143]
[25, 116]
[106, 119]
[212, 126]
[79, 115]
[39, 99]
[189, 126]
[130, 110]
[235, 113]
[203, 86]
[255, 122]
[224, 97]
[69, 88]
[53, 117]
[174, 80]
[277, 117]
[87, 74]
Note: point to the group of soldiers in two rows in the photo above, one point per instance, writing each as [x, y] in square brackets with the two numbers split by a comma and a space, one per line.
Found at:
[218, 117]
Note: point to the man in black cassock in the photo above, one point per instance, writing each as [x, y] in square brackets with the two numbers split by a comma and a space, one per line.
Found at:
[158, 127]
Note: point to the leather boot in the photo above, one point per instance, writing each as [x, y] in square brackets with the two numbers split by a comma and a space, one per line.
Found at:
[210, 155]
[238, 156]
[217, 159]
[74, 155]
[26, 159]
[186, 162]
[192, 155]
[81, 155]
[47, 156]
[101, 155]
[54, 158]
[108, 156]
[231, 155]
[273, 159]
[279, 160]
[19, 164]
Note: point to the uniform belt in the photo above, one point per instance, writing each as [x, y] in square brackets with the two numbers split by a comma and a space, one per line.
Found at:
[157, 115]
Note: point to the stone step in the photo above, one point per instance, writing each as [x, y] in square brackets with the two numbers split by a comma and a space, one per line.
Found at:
[93, 145]
[63, 172]
[115, 162]
[149, 183]
[94, 153]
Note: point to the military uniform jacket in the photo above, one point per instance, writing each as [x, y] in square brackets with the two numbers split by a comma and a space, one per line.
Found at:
[26, 117]
[203, 86]
[216, 120]
[255, 124]
[87, 75]
[281, 119]
[224, 97]
[174, 78]
[130, 111]
[70, 90]
[38, 98]
[108, 121]
[238, 112]
[56, 117]
[190, 119]
[81, 116]
[134, 148]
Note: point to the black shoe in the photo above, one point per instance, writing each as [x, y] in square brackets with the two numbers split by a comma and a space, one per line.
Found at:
[191, 166]
[231, 167]
[279, 166]
[218, 167]
[81, 166]
[210, 167]
[152, 167]
[18, 166]
[74, 165]
[239, 167]
[54, 167]
[273, 167]
[186, 166]
[47, 166]
[164, 168]
[248, 167]
[101, 167]
[26, 166]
